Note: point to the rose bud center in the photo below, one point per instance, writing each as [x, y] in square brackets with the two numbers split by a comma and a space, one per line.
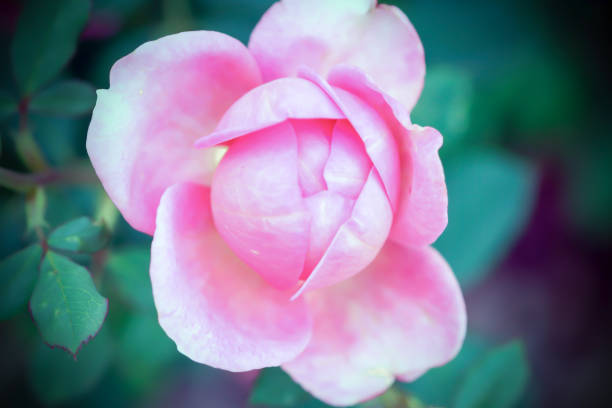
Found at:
[279, 195]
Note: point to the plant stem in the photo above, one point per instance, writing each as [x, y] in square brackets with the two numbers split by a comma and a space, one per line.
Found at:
[26, 146]
[24, 182]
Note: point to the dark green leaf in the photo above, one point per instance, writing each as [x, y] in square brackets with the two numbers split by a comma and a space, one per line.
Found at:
[497, 381]
[46, 37]
[8, 104]
[65, 304]
[445, 103]
[79, 235]
[18, 274]
[274, 387]
[72, 97]
[56, 377]
[490, 197]
[439, 385]
[128, 269]
[141, 366]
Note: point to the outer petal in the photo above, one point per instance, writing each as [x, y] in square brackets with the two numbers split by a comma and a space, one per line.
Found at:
[217, 310]
[401, 316]
[421, 214]
[323, 33]
[162, 97]
[270, 104]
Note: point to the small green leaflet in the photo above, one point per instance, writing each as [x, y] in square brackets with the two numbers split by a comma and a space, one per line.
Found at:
[72, 97]
[497, 381]
[18, 274]
[65, 304]
[79, 235]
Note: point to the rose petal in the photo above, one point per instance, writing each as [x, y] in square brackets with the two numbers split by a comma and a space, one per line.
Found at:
[378, 139]
[270, 104]
[162, 97]
[217, 310]
[313, 138]
[402, 315]
[421, 215]
[321, 34]
[357, 241]
[258, 207]
[348, 165]
[328, 211]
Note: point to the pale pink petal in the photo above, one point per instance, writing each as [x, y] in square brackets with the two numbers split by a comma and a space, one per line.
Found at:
[358, 240]
[162, 97]
[324, 33]
[401, 316]
[313, 137]
[421, 214]
[328, 211]
[348, 165]
[258, 207]
[378, 138]
[217, 310]
[270, 104]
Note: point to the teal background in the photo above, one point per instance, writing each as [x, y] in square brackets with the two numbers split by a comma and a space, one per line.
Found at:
[519, 90]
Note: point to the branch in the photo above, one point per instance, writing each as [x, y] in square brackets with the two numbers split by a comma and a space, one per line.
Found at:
[25, 182]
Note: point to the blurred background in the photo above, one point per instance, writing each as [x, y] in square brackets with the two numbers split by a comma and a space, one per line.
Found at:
[519, 89]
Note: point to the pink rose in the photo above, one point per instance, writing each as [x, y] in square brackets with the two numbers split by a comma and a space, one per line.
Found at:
[291, 200]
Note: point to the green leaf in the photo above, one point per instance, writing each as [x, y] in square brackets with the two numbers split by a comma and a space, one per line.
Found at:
[55, 377]
[490, 197]
[8, 104]
[128, 269]
[46, 37]
[445, 103]
[142, 366]
[439, 385]
[80, 235]
[497, 381]
[65, 304]
[18, 274]
[71, 97]
[274, 387]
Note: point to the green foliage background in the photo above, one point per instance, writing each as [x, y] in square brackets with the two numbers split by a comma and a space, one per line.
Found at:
[507, 85]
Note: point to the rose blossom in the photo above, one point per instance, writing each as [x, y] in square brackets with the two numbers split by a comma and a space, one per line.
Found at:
[291, 200]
